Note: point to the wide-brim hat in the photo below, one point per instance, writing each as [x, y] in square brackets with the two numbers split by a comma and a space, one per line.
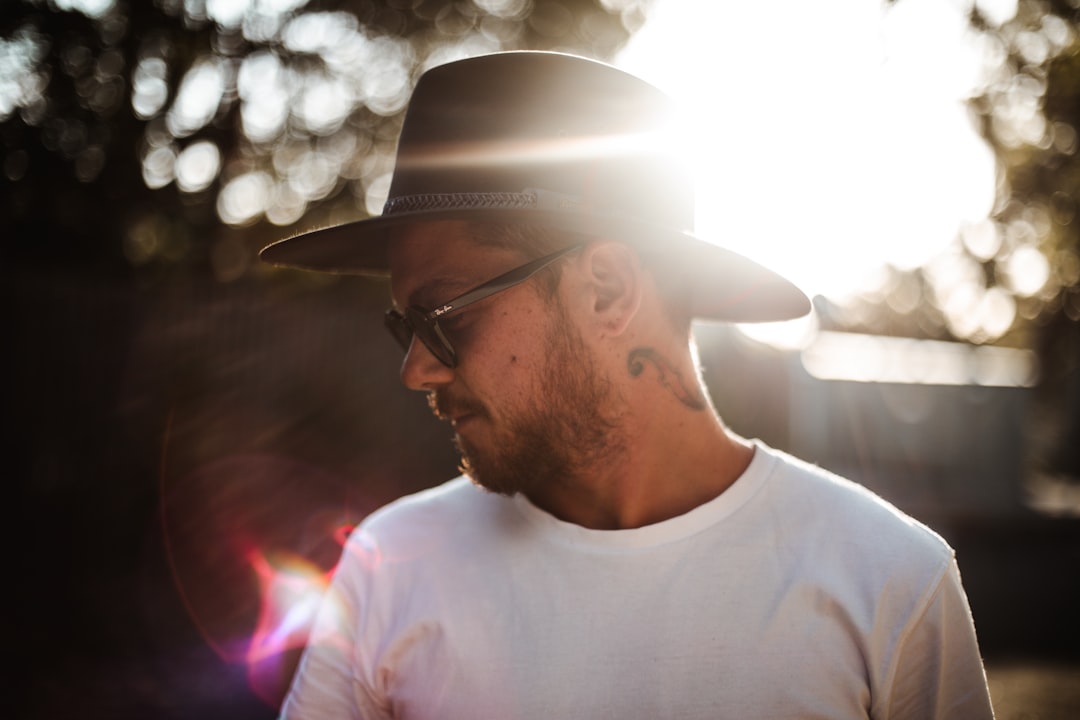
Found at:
[555, 140]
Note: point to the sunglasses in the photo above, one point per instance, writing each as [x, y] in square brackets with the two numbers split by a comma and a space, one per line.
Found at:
[424, 324]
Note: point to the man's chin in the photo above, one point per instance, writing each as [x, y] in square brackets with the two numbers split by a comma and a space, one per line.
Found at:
[486, 478]
[495, 489]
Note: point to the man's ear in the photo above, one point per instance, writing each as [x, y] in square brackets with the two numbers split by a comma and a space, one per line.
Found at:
[614, 275]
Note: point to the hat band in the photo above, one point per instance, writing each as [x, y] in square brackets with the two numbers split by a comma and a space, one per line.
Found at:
[530, 198]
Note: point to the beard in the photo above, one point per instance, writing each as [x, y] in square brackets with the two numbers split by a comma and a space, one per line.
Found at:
[565, 430]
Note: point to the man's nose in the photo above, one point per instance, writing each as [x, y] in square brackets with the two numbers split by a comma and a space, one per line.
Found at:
[421, 370]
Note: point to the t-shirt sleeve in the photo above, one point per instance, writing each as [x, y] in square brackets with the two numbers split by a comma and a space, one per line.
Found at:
[937, 671]
[328, 684]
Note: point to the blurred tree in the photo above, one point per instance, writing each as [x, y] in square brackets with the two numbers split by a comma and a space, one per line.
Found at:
[1018, 271]
[1014, 278]
[1029, 113]
[179, 133]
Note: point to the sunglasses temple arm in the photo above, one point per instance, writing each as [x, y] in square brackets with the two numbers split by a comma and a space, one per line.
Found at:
[504, 281]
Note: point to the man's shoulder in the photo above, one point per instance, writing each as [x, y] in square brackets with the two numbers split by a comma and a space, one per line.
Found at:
[846, 512]
[436, 512]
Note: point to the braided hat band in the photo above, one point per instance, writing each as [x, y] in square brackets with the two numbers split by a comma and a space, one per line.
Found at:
[529, 199]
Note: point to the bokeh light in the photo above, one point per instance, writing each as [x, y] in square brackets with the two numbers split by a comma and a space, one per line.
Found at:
[159, 167]
[90, 8]
[22, 83]
[1027, 270]
[149, 90]
[197, 166]
[244, 198]
[317, 95]
[197, 98]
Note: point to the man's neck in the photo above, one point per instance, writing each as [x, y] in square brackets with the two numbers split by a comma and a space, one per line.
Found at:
[670, 466]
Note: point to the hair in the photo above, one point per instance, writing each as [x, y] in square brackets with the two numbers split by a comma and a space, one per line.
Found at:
[534, 240]
[529, 239]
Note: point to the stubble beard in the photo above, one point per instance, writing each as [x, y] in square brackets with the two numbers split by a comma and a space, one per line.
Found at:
[567, 430]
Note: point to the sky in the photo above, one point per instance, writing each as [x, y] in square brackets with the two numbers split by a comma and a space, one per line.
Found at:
[832, 136]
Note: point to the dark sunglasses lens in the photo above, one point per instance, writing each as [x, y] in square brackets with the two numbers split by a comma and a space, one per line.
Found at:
[399, 328]
[403, 326]
[429, 334]
[444, 354]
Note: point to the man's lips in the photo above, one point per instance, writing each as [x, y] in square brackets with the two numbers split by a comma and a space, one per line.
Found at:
[457, 413]
[460, 420]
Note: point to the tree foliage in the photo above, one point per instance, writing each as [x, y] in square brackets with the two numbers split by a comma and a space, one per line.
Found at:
[1029, 113]
[185, 133]
[1018, 271]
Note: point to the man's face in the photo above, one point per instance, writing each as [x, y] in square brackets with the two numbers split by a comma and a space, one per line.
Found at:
[525, 399]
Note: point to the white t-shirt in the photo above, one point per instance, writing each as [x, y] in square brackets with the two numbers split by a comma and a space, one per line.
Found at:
[794, 594]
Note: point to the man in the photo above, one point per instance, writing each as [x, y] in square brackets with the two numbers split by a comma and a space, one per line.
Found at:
[619, 552]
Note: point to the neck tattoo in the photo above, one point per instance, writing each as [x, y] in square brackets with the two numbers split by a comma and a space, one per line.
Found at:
[669, 376]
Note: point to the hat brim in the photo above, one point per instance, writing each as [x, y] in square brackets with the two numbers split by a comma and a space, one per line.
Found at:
[724, 285]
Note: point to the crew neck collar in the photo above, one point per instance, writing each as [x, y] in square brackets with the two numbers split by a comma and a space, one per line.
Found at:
[671, 530]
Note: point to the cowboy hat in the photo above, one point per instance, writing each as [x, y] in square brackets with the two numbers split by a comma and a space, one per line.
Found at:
[555, 140]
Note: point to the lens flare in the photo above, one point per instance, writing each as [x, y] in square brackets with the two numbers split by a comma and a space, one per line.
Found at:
[291, 589]
[252, 541]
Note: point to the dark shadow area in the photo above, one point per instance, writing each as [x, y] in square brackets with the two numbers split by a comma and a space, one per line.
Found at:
[158, 437]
